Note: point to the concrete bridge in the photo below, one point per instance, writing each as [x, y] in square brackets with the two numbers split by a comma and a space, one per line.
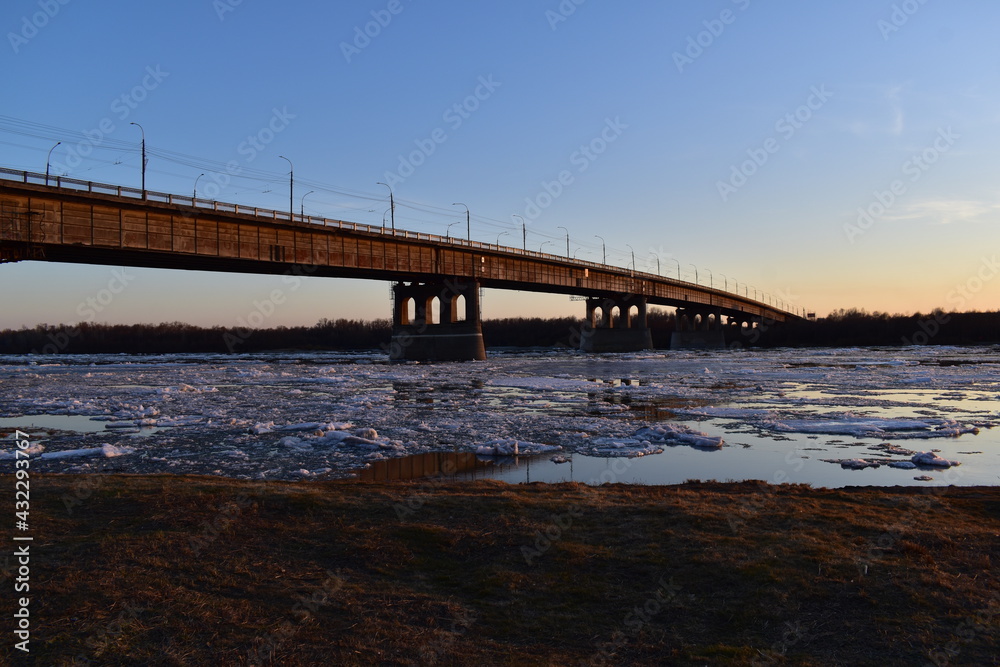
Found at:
[436, 309]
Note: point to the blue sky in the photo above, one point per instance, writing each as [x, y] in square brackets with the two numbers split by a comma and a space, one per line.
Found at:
[837, 154]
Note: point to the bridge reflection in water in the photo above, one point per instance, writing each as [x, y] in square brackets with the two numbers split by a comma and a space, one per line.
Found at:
[466, 465]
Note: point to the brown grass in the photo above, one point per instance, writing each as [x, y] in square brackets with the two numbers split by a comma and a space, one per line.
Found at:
[192, 570]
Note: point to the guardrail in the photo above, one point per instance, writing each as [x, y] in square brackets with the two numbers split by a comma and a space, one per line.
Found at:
[78, 185]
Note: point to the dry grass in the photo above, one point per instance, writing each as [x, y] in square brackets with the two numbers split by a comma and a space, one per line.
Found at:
[192, 570]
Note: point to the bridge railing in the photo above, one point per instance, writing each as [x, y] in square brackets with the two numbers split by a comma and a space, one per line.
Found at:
[79, 185]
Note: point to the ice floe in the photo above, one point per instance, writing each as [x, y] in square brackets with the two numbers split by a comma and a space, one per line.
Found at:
[511, 447]
[107, 451]
[679, 434]
[872, 427]
[932, 459]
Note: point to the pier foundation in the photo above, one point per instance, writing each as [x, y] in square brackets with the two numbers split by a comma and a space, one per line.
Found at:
[616, 324]
[437, 321]
[698, 330]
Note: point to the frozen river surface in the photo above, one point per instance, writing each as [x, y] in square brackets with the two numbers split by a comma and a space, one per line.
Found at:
[838, 417]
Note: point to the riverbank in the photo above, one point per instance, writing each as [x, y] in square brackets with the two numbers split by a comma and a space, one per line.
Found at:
[202, 570]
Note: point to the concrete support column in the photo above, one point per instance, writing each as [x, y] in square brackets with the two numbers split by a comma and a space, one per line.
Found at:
[632, 335]
[450, 339]
[709, 333]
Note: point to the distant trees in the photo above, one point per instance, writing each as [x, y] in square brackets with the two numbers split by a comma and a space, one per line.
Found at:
[841, 328]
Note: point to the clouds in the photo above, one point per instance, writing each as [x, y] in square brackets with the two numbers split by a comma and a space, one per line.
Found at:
[947, 212]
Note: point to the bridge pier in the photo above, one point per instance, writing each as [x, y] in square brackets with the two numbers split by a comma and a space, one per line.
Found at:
[698, 329]
[623, 331]
[445, 324]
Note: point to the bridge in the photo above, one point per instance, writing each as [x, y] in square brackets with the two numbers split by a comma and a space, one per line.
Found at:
[436, 309]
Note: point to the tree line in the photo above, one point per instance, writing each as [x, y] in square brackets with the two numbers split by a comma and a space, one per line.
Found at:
[841, 328]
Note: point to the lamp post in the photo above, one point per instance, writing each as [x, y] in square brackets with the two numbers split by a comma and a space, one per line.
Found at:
[726, 283]
[48, 159]
[143, 158]
[544, 243]
[468, 221]
[633, 256]
[302, 204]
[604, 249]
[696, 275]
[499, 235]
[524, 232]
[392, 207]
[291, 188]
[678, 267]
[567, 239]
[194, 195]
[711, 278]
[384, 213]
[448, 233]
[657, 262]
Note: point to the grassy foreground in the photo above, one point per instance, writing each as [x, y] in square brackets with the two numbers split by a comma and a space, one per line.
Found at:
[194, 570]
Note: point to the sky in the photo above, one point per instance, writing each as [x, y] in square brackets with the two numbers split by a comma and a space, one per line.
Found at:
[834, 155]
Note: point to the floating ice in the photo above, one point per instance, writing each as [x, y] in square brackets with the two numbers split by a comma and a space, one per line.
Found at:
[675, 433]
[855, 464]
[511, 447]
[932, 459]
[34, 449]
[107, 451]
[306, 426]
[294, 443]
[730, 413]
[546, 384]
[872, 427]
[624, 447]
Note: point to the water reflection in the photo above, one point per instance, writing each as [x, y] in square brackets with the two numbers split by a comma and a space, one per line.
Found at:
[465, 465]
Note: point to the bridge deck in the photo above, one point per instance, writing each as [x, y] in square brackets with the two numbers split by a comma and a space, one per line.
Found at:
[82, 222]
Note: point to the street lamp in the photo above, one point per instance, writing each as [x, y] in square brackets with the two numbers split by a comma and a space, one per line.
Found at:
[657, 262]
[726, 288]
[696, 275]
[544, 243]
[448, 233]
[499, 235]
[678, 267]
[143, 158]
[567, 239]
[302, 204]
[291, 188]
[392, 207]
[384, 213]
[633, 256]
[194, 195]
[711, 279]
[468, 220]
[604, 249]
[48, 158]
[524, 232]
